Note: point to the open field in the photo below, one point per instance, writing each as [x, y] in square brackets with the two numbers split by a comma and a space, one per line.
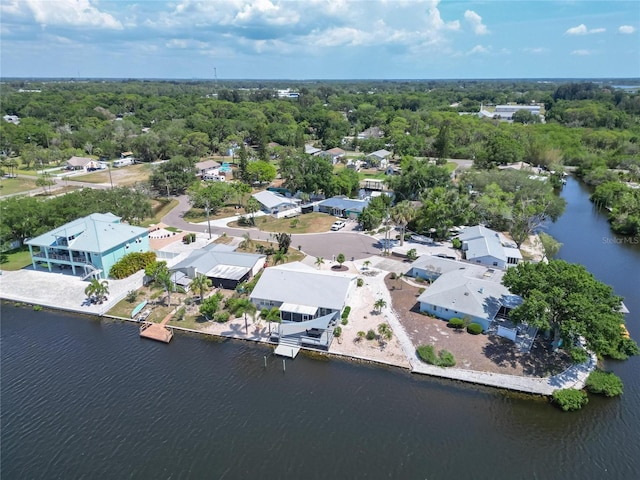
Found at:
[11, 186]
[307, 223]
[124, 176]
[160, 207]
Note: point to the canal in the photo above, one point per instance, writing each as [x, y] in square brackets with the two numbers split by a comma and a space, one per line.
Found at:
[87, 398]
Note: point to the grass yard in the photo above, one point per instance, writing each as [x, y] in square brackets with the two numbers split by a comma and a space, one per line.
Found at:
[307, 223]
[294, 255]
[197, 215]
[124, 177]
[371, 173]
[16, 259]
[11, 186]
[160, 207]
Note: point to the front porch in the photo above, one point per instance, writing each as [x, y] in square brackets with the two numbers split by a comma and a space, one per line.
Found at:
[316, 333]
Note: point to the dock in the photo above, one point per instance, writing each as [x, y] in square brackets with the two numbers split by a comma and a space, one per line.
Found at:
[158, 331]
[288, 351]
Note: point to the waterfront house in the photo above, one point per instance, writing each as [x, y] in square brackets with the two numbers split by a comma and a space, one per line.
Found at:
[301, 292]
[225, 267]
[89, 246]
[276, 204]
[487, 247]
[468, 291]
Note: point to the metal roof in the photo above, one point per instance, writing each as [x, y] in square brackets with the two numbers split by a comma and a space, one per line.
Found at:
[272, 200]
[300, 284]
[344, 203]
[219, 263]
[98, 232]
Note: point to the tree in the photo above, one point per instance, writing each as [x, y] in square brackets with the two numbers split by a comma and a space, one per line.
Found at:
[366, 264]
[261, 171]
[243, 163]
[212, 194]
[442, 144]
[550, 245]
[416, 177]
[45, 181]
[201, 283]
[567, 300]
[384, 330]
[345, 182]
[319, 262]
[97, 290]
[247, 242]
[163, 280]
[284, 242]
[379, 305]
[210, 306]
[442, 208]
[340, 259]
[251, 207]
[173, 176]
[279, 257]
[401, 215]
[525, 117]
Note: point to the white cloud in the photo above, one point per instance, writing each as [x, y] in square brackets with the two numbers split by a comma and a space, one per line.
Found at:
[626, 29]
[581, 52]
[535, 50]
[476, 22]
[72, 13]
[478, 49]
[583, 30]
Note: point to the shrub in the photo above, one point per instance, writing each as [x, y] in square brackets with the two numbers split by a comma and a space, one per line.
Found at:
[221, 317]
[337, 331]
[412, 254]
[132, 295]
[346, 311]
[445, 359]
[579, 355]
[360, 282]
[131, 263]
[179, 315]
[604, 383]
[474, 328]
[371, 334]
[570, 399]
[393, 276]
[456, 243]
[344, 321]
[456, 323]
[427, 354]
[37, 308]
[360, 335]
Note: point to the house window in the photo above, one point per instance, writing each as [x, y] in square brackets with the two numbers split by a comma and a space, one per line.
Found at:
[495, 264]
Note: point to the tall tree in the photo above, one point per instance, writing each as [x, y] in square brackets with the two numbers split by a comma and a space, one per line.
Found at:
[567, 300]
[401, 215]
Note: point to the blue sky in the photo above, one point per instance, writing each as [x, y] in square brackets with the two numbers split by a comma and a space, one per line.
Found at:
[320, 39]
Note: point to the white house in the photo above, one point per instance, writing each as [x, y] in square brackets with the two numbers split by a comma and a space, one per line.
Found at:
[311, 150]
[277, 205]
[379, 158]
[487, 247]
[205, 166]
[471, 292]
[301, 292]
[82, 163]
[333, 154]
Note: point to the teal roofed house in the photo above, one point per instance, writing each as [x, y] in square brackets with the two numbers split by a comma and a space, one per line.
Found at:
[89, 246]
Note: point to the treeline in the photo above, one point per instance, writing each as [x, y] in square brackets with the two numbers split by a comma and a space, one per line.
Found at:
[28, 217]
[158, 120]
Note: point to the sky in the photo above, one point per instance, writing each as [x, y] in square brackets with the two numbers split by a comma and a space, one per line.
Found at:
[320, 39]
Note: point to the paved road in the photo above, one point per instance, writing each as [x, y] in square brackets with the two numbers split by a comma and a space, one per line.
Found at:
[326, 245]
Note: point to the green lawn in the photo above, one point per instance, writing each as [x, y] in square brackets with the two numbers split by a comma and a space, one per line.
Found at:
[16, 259]
[10, 186]
[307, 223]
[160, 208]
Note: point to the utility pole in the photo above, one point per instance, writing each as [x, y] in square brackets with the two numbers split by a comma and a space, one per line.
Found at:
[206, 209]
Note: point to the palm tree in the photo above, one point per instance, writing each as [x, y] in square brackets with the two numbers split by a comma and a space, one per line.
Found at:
[366, 264]
[384, 330]
[241, 307]
[97, 290]
[251, 207]
[164, 280]
[247, 243]
[379, 305]
[401, 215]
[90, 291]
[399, 278]
[319, 262]
[279, 257]
[201, 283]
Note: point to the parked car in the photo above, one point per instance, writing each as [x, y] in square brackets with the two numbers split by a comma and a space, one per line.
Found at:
[338, 225]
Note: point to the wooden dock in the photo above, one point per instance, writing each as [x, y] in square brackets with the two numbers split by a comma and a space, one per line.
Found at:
[158, 331]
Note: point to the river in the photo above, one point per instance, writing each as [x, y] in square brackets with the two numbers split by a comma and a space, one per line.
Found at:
[87, 398]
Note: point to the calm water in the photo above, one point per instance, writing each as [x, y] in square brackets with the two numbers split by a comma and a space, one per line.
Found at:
[84, 398]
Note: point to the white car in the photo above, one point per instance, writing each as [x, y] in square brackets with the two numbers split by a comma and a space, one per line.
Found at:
[338, 225]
